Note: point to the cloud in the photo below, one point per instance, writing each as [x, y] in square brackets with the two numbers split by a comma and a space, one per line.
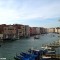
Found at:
[44, 12]
[25, 10]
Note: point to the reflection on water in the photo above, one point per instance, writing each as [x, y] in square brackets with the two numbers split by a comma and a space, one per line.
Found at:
[9, 49]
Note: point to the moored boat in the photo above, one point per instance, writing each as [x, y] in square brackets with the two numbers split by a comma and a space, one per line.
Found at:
[46, 47]
[25, 56]
[9, 39]
[34, 54]
[0, 45]
[36, 37]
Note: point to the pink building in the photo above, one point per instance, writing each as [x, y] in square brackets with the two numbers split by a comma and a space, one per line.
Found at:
[1, 31]
[34, 30]
[9, 32]
[20, 30]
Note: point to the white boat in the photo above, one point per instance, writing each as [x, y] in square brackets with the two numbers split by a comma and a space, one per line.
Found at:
[46, 47]
[34, 49]
[51, 51]
[36, 37]
[46, 57]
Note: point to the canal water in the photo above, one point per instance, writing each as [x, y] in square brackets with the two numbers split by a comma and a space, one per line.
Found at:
[9, 49]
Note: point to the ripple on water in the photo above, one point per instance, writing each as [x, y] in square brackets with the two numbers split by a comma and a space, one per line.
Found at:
[9, 49]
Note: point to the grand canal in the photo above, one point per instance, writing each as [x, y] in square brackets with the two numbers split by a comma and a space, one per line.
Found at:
[9, 49]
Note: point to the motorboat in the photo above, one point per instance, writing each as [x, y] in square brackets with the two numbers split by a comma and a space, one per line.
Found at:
[46, 47]
[0, 45]
[36, 37]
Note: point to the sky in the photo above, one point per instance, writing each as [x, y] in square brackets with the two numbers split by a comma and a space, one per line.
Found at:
[37, 13]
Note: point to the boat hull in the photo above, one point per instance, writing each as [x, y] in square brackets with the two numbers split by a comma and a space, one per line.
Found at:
[16, 58]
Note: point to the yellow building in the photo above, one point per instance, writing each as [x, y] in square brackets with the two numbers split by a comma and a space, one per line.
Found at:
[51, 30]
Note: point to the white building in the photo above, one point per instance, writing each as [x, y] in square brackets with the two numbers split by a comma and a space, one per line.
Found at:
[37, 30]
[57, 30]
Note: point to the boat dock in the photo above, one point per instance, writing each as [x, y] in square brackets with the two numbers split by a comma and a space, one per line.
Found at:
[53, 55]
[54, 46]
